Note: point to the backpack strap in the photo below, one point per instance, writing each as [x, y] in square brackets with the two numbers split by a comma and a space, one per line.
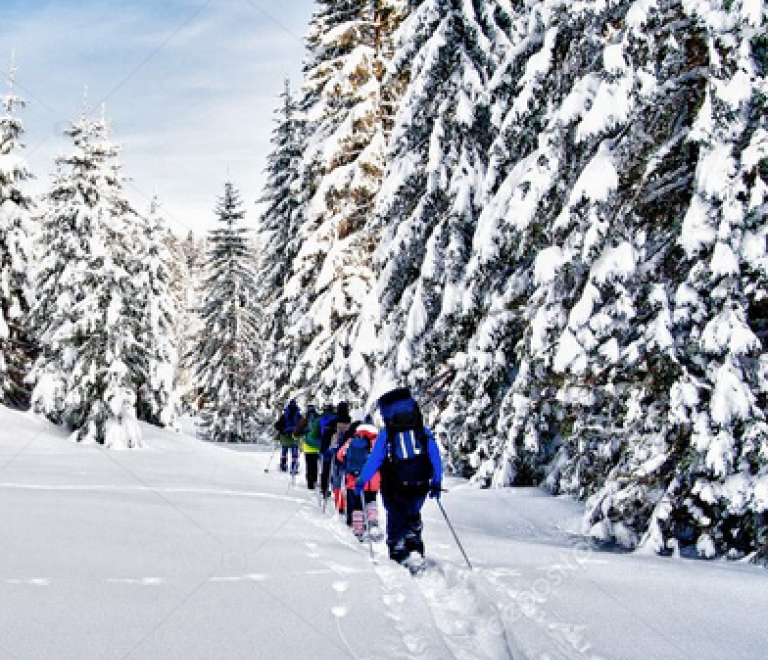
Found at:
[416, 440]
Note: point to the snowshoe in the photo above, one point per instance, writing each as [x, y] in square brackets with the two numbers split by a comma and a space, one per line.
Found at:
[376, 533]
[415, 563]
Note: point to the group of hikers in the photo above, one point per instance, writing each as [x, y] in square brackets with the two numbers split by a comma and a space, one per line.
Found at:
[355, 461]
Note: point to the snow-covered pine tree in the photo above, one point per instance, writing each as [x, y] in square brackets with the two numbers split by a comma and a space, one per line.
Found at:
[187, 285]
[329, 296]
[178, 284]
[431, 198]
[627, 229]
[278, 243]
[495, 287]
[153, 277]
[226, 348]
[87, 310]
[15, 253]
[601, 291]
[697, 474]
[556, 246]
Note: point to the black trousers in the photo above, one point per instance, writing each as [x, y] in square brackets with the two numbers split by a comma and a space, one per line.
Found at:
[325, 475]
[311, 462]
[403, 523]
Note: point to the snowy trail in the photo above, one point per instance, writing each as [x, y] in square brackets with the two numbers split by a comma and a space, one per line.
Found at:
[191, 551]
[559, 597]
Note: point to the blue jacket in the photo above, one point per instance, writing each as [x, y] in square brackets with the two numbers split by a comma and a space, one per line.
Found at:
[328, 423]
[379, 454]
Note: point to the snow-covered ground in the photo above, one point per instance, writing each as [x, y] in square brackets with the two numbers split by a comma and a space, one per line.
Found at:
[191, 551]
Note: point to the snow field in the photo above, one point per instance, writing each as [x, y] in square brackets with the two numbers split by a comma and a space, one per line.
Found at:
[189, 550]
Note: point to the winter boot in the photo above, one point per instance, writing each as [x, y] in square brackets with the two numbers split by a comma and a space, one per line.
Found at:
[398, 551]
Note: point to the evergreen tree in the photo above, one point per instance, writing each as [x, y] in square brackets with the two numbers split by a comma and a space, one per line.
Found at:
[158, 401]
[227, 344]
[522, 180]
[15, 254]
[278, 245]
[696, 468]
[615, 281]
[329, 295]
[87, 310]
[431, 198]
[187, 285]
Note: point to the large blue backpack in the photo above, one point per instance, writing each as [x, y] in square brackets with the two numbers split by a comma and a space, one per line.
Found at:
[407, 468]
[357, 454]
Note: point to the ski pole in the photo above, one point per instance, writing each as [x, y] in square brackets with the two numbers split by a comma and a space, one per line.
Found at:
[367, 524]
[453, 531]
[271, 456]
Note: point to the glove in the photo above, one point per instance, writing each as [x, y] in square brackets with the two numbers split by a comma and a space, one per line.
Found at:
[434, 490]
[359, 485]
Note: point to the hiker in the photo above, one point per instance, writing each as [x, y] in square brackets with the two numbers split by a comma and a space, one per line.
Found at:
[285, 427]
[327, 426]
[336, 476]
[330, 426]
[308, 431]
[354, 454]
[409, 459]
[338, 472]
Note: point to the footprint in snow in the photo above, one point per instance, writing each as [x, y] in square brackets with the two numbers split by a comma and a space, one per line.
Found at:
[340, 587]
[312, 548]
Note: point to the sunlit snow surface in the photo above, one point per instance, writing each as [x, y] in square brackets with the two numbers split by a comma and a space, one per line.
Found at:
[191, 551]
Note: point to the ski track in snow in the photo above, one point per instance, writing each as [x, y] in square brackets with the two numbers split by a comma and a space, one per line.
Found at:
[446, 613]
[452, 613]
[441, 614]
[152, 489]
[33, 582]
[527, 624]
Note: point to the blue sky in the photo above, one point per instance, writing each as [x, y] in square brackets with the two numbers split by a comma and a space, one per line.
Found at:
[190, 87]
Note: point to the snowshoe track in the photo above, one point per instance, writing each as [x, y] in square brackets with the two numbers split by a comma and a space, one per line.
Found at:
[527, 620]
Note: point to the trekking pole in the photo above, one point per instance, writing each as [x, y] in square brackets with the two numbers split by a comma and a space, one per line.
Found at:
[453, 531]
[367, 526]
[271, 456]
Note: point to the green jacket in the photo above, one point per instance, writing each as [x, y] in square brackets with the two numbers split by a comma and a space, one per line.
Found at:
[287, 440]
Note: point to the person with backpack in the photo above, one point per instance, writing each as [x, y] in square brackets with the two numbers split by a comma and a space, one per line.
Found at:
[354, 454]
[289, 444]
[409, 459]
[330, 425]
[327, 424]
[338, 468]
[308, 431]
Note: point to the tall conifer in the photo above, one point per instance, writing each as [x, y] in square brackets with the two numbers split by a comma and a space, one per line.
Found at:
[87, 309]
[330, 292]
[431, 196]
[278, 244]
[15, 253]
[226, 347]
